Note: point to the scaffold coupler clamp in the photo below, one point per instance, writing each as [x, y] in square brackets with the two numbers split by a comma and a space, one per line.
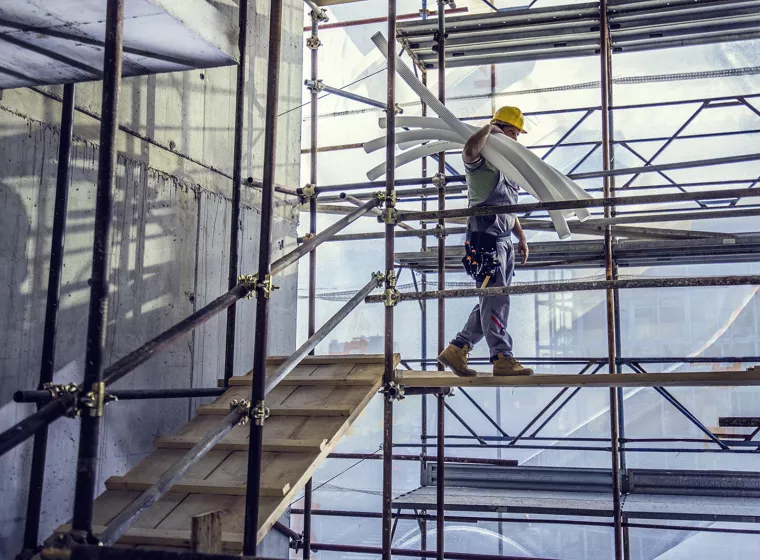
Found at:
[296, 543]
[59, 546]
[94, 402]
[313, 42]
[439, 180]
[379, 278]
[245, 407]
[308, 191]
[389, 216]
[439, 232]
[314, 86]
[306, 237]
[393, 391]
[398, 109]
[391, 296]
[446, 392]
[260, 413]
[320, 16]
[251, 282]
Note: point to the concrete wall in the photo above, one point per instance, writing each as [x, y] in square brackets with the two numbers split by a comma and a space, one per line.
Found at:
[169, 250]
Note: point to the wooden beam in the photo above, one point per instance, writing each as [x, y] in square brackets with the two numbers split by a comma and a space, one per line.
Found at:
[316, 410]
[739, 422]
[270, 445]
[332, 359]
[196, 487]
[690, 379]
[206, 533]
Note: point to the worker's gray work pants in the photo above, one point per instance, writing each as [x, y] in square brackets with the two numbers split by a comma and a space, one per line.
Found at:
[490, 315]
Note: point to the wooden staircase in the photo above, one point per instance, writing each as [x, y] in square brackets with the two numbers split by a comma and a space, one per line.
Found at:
[310, 410]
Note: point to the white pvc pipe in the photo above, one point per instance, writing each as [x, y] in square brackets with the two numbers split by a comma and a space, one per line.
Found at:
[411, 155]
[411, 138]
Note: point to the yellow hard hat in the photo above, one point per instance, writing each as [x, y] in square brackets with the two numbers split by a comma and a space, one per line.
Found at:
[510, 115]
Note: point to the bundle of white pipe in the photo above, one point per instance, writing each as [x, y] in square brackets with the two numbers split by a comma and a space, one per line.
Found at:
[518, 164]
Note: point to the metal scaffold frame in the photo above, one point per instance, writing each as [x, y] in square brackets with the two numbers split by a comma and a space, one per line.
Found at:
[89, 398]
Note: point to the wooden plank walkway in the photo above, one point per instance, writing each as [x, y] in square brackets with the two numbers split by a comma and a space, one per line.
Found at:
[689, 379]
[310, 411]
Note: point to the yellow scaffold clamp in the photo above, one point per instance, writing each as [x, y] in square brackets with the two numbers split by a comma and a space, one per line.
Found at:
[252, 284]
[439, 180]
[313, 42]
[260, 413]
[245, 406]
[391, 296]
[393, 391]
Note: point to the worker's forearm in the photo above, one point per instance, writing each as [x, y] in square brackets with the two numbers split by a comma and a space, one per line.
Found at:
[517, 229]
[475, 144]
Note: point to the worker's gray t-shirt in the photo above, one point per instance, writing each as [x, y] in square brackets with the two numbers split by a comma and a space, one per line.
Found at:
[487, 186]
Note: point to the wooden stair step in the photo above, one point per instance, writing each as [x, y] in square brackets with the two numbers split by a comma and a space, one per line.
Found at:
[196, 487]
[231, 542]
[313, 410]
[307, 381]
[333, 359]
[272, 445]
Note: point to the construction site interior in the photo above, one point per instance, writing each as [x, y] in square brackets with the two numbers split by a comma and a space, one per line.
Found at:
[264, 206]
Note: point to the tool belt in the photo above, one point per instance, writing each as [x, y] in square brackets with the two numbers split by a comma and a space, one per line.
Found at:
[481, 260]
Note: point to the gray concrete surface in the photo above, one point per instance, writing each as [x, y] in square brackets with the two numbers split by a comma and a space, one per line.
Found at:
[169, 248]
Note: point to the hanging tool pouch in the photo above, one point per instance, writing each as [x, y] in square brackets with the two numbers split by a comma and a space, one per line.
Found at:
[481, 257]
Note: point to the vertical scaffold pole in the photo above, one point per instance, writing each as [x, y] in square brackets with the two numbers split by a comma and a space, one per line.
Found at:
[423, 319]
[47, 368]
[93, 386]
[237, 180]
[606, 85]
[264, 285]
[390, 282]
[441, 46]
[313, 43]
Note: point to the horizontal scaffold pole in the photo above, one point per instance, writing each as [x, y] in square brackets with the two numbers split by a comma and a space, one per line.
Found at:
[580, 286]
[584, 203]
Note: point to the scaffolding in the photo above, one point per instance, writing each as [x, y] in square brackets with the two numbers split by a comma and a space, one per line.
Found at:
[601, 23]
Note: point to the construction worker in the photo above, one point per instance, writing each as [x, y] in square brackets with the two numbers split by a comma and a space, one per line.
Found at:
[490, 237]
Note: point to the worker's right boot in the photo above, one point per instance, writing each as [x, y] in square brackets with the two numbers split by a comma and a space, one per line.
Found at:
[455, 358]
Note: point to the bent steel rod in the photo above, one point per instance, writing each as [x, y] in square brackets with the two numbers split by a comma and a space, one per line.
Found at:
[129, 516]
[89, 433]
[585, 203]
[27, 427]
[39, 453]
[697, 281]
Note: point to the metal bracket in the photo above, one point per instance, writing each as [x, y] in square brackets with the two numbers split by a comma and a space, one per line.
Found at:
[313, 42]
[439, 232]
[94, 401]
[319, 16]
[439, 180]
[393, 391]
[379, 277]
[252, 283]
[260, 413]
[297, 543]
[307, 237]
[245, 406]
[398, 109]
[314, 87]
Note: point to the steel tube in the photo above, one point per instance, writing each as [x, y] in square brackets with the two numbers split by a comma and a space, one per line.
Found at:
[398, 457]
[605, 51]
[352, 96]
[237, 178]
[30, 425]
[315, 12]
[390, 282]
[262, 306]
[441, 318]
[39, 452]
[294, 359]
[89, 438]
[441, 468]
[44, 397]
[703, 281]
[413, 553]
[586, 203]
[119, 525]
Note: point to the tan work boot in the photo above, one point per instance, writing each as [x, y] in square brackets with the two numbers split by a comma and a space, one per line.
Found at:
[506, 365]
[455, 358]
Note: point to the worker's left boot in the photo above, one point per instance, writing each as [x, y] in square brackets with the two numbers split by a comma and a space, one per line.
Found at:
[507, 365]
